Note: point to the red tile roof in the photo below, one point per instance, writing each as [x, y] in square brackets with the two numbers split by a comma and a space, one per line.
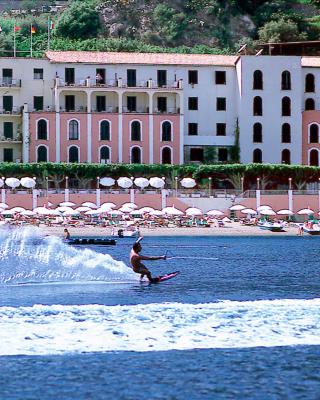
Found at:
[92, 57]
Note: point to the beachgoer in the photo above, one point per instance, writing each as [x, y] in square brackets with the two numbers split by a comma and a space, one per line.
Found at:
[66, 234]
[135, 260]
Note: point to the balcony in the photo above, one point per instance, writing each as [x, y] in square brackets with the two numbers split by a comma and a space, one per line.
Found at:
[10, 83]
[168, 110]
[14, 112]
[14, 140]
[138, 110]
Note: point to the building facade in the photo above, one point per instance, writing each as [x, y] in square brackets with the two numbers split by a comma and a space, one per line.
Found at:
[159, 108]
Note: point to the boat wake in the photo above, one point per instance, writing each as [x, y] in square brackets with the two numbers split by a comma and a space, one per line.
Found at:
[27, 256]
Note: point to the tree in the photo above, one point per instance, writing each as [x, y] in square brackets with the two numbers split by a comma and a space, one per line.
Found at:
[283, 30]
[171, 23]
[80, 20]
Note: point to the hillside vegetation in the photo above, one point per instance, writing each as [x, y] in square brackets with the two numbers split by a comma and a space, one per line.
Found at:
[198, 26]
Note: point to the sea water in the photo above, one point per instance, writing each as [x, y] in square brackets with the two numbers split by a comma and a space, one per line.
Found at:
[242, 320]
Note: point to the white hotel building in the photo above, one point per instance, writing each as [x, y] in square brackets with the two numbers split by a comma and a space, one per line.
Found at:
[159, 108]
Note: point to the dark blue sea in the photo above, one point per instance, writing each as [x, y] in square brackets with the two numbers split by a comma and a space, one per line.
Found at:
[241, 321]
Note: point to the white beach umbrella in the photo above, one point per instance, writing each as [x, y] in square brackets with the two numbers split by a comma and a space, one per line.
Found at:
[141, 182]
[226, 219]
[261, 208]
[268, 211]
[27, 182]
[71, 213]
[106, 181]
[67, 204]
[83, 209]
[156, 182]
[130, 205]
[157, 213]
[172, 211]
[4, 205]
[146, 210]
[136, 212]
[53, 213]
[8, 212]
[125, 210]
[125, 182]
[40, 210]
[93, 212]
[249, 211]
[108, 205]
[215, 213]
[12, 182]
[237, 207]
[28, 213]
[193, 212]
[1, 182]
[188, 183]
[285, 212]
[89, 204]
[115, 213]
[64, 208]
[305, 211]
[18, 209]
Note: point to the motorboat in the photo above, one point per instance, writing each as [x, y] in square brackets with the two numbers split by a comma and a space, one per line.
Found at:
[314, 231]
[127, 232]
[96, 241]
[271, 226]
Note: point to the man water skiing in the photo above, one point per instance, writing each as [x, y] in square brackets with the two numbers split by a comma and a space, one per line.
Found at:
[137, 266]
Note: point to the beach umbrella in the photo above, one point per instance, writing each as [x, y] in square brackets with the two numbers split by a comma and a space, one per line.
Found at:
[93, 212]
[157, 213]
[108, 205]
[106, 181]
[172, 211]
[285, 212]
[305, 211]
[136, 212]
[214, 213]
[237, 207]
[3, 205]
[40, 210]
[226, 219]
[124, 182]
[147, 210]
[12, 182]
[268, 211]
[89, 204]
[71, 213]
[188, 183]
[67, 204]
[8, 212]
[125, 210]
[193, 211]
[28, 213]
[156, 182]
[64, 208]
[130, 205]
[261, 208]
[1, 182]
[141, 182]
[115, 213]
[53, 213]
[249, 211]
[27, 182]
[18, 209]
[83, 209]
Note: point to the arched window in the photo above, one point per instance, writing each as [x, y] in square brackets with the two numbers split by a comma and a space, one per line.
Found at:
[314, 158]
[42, 154]
[104, 154]
[257, 156]
[73, 154]
[285, 156]
[105, 130]
[257, 105]
[257, 80]
[73, 130]
[257, 133]
[166, 131]
[309, 105]
[286, 107]
[309, 83]
[314, 134]
[286, 133]
[166, 155]
[135, 155]
[42, 129]
[285, 80]
[136, 131]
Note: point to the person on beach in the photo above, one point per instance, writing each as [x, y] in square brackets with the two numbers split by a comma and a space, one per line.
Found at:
[66, 234]
[136, 258]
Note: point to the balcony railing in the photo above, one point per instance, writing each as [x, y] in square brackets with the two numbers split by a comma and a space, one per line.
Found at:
[138, 110]
[10, 82]
[14, 111]
[14, 140]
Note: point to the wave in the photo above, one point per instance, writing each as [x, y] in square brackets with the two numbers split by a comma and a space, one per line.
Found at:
[26, 255]
[58, 329]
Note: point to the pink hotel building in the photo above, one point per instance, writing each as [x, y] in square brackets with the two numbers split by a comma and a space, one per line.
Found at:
[159, 108]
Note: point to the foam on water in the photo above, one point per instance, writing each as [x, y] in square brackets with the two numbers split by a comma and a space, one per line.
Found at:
[62, 329]
[27, 256]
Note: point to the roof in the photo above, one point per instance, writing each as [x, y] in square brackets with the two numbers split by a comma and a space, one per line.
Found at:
[311, 62]
[92, 57]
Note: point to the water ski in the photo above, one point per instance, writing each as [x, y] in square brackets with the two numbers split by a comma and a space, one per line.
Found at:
[166, 277]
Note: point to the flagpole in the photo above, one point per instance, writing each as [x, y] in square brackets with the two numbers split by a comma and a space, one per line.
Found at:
[31, 41]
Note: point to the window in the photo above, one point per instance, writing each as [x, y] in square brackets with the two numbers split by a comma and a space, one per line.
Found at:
[193, 77]
[309, 105]
[285, 80]
[38, 103]
[100, 76]
[136, 131]
[37, 73]
[257, 106]
[70, 102]
[42, 129]
[196, 155]
[193, 103]
[166, 132]
[73, 154]
[309, 83]
[220, 77]
[132, 103]
[286, 133]
[314, 158]
[221, 104]
[314, 134]
[7, 102]
[135, 155]
[166, 155]
[162, 77]
[105, 130]
[73, 130]
[7, 155]
[257, 133]
[257, 156]
[257, 80]
[286, 107]
[222, 155]
[8, 130]
[162, 104]
[104, 154]
[221, 129]
[69, 76]
[131, 78]
[42, 154]
[285, 156]
[192, 129]
[101, 103]
[7, 76]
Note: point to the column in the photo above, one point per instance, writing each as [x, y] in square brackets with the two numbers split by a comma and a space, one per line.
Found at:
[131, 195]
[290, 195]
[89, 128]
[3, 195]
[120, 156]
[151, 156]
[66, 191]
[258, 194]
[181, 129]
[98, 197]
[57, 108]
[163, 198]
[25, 134]
[34, 198]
